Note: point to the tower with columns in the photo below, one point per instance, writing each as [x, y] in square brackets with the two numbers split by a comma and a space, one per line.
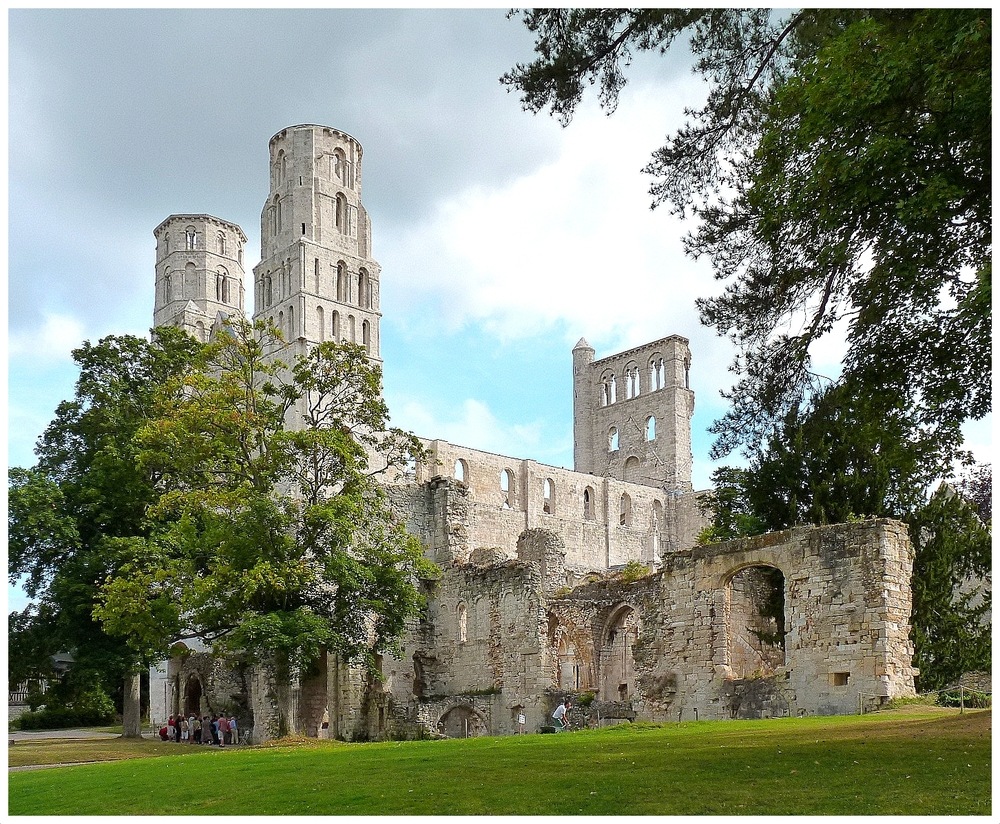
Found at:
[199, 272]
[316, 279]
[632, 414]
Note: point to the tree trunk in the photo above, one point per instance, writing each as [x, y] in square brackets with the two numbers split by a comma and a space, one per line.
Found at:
[131, 720]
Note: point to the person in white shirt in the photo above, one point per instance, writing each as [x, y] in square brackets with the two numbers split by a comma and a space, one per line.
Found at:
[559, 716]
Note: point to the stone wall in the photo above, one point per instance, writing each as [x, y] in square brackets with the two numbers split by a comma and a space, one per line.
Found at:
[846, 605]
[455, 502]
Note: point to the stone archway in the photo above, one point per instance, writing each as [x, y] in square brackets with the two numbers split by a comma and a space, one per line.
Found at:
[572, 656]
[617, 663]
[754, 614]
[462, 721]
[192, 696]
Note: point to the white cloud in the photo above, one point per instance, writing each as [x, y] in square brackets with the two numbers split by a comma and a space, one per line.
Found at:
[54, 341]
[572, 242]
[469, 423]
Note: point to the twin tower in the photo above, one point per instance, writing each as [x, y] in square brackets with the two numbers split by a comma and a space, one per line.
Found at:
[317, 281]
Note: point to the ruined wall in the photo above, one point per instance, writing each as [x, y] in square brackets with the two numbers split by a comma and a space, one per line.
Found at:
[474, 499]
[478, 655]
[845, 606]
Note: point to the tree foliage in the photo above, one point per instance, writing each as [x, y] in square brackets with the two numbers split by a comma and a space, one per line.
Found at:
[272, 538]
[847, 455]
[952, 593]
[86, 491]
[840, 178]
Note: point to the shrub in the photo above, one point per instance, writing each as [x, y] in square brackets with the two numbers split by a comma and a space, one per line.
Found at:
[90, 708]
[633, 571]
[94, 702]
[973, 700]
[56, 718]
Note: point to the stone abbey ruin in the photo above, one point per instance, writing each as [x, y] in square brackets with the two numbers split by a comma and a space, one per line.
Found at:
[538, 597]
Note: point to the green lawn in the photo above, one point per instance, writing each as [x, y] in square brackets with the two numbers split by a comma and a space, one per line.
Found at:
[913, 762]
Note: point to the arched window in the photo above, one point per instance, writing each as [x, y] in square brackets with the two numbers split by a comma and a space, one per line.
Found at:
[281, 322]
[190, 239]
[462, 614]
[625, 510]
[199, 332]
[631, 472]
[362, 288]
[341, 213]
[366, 335]
[268, 290]
[342, 283]
[656, 372]
[410, 468]
[291, 323]
[608, 389]
[168, 287]
[548, 497]
[316, 275]
[588, 504]
[336, 326]
[222, 285]
[340, 167]
[658, 523]
[507, 488]
[320, 323]
[352, 331]
[687, 373]
[222, 243]
[613, 439]
[650, 428]
[631, 381]
[166, 243]
[612, 390]
[617, 663]
[461, 471]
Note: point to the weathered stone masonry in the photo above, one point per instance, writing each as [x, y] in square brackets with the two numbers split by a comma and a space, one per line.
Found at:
[534, 601]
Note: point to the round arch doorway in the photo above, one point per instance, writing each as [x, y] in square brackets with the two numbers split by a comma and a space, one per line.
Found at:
[192, 696]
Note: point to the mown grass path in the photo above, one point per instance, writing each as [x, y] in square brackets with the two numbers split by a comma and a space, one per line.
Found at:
[909, 763]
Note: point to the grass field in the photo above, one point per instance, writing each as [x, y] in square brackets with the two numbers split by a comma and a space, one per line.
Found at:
[907, 762]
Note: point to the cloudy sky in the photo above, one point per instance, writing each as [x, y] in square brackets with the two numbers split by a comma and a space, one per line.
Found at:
[503, 238]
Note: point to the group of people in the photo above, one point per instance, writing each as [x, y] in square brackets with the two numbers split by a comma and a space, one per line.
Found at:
[208, 729]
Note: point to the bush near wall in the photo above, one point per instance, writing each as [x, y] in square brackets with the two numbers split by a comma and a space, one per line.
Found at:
[62, 717]
[90, 708]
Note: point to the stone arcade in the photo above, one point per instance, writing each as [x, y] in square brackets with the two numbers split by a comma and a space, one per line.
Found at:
[537, 599]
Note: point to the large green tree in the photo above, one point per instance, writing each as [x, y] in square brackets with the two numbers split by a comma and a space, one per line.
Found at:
[272, 538]
[839, 176]
[86, 491]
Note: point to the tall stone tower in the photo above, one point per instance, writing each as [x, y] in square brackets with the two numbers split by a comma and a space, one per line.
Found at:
[199, 272]
[632, 414]
[316, 279]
